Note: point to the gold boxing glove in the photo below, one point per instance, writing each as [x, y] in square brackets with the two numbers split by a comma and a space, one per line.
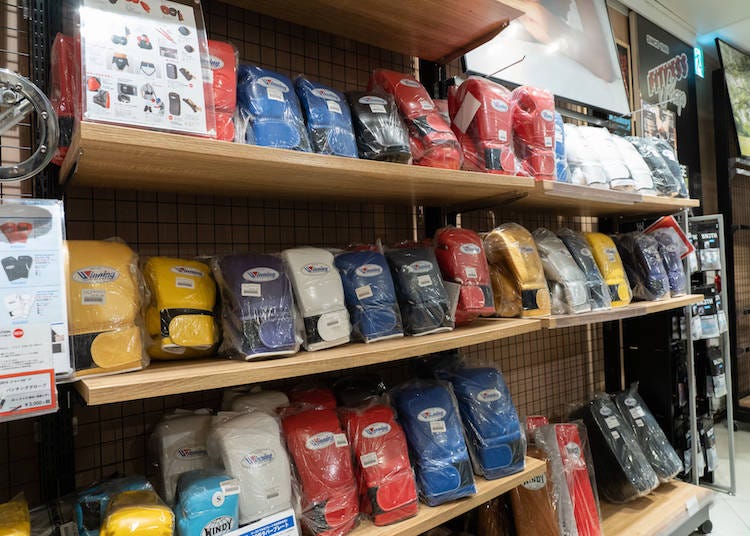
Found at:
[138, 513]
[511, 247]
[180, 318]
[610, 265]
[14, 517]
[507, 298]
[104, 301]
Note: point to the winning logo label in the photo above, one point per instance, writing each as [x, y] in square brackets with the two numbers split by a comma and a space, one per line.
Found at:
[269, 81]
[499, 105]
[215, 62]
[260, 274]
[186, 270]
[411, 83]
[573, 450]
[489, 395]
[188, 453]
[96, 274]
[370, 99]
[316, 268]
[605, 411]
[369, 270]
[376, 429]
[432, 414]
[258, 458]
[326, 94]
[320, 441]
[419, 267]
[470, 249]
[547, 115]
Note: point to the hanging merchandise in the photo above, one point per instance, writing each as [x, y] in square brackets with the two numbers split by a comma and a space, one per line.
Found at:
[581, 253]
[655, 445]
[644, 266]
[638, 168]
[207, 503]
[422, 297]
[431, 139]
[267, 401]
[460, 255]
[387, 489]
[668, 153]
[180, 318]
[567, 283]
[370, 295]
[93, 503]
[533, 112]
[670, 248]
[269, 112]
[610, 265]
[601, 142]
[322, 459]
[257, 306]
[138, 513]
[428, 411]
[665, 182]
[104, 301]
[507, 297]
[224, 59]
[14, 517]
[584, 166]
[319, 295]
[380, 132]
[511, 247]
[561, 158]
[65, 89]
[329, 120]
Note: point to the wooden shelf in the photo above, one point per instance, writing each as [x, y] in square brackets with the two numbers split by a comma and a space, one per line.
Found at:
[435, 31]
[618, 313]
[431, 517]
[175, 377]
[669, 508]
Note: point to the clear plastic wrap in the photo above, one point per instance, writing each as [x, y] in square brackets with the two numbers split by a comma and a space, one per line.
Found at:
[269, 112]
[432, 141]
[312, 397]
[65, 89]
[623, 471]
[667, 152]
[207, 503]
[380, 132]
[568, 286]
[669, 249]
[358, 389]
[224, 60]
[387, 488]
[610, 265]
[14, 517]
[180, 318]
[584, 167]
[644, 266]
[178, 445]
[323, 463]
[613, 163]
[460, 255]
[268, 401]
[655, 445]
[370, 295]
[257, 306]
[329, 120]
[428, 411]
[319, 295]
[493, 432]
[512, 249]
[54, 518]
[92, 503]
[581, 252]
[422, 297]
[665, 182]
[561, 157]
[507, 297]
[250, 448]
[104, 301]
[638, 168]
[139, 513]
[533, 113]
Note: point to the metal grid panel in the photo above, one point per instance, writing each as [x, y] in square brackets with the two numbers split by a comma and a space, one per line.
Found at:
[741, 216]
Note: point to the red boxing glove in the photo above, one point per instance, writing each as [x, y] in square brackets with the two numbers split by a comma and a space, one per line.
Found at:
[533, 112]
[65, 89]
[223, 58]
[387, 487]
[432, 142]
[322, 458]
[313, 398]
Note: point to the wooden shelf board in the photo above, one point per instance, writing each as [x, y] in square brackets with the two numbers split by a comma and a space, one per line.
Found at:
[431, 517]
[435, 31]
[618, 313]
[655, 513]
[175, 377]
[744, 402]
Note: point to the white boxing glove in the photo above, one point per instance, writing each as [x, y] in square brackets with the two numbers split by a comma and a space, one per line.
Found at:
[567, 283]
[268, 401]
[583, 163]
[320, 297]
[601, 142]
[638, 167]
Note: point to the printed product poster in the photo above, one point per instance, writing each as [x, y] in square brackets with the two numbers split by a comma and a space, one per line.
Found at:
[142, 65]
[33, 309]
[737, 75]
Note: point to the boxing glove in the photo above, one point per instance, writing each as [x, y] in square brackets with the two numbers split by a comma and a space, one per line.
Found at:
[313, 398]
[250, 448]
[320, 297]
[610, 265]
[507, 296]
[584, 167]
[533, 114]
[387, 487]
[601, 142]
[15, 519]
[422, 297]
[257, 306]
[92, 504]
[329, 121]
[104, 301]
[567, 283]
[178, 443]
[429, 414]
[138, 513]
[65, 88]
[461, 258]
[665, 182]
[322, 458]
[511, 247]
[17, 267]
[493, 431]
[667, 241]
[207, 503]
[269, 110]
[370, 295]
[481, 120]
[358, 389]
[268, 401]
[431, 140]
[223, 61]
[668, 153]
[644, 266]
[638, 168]
[380, 132]
[561, 158]
[581, 252]
[180, 318]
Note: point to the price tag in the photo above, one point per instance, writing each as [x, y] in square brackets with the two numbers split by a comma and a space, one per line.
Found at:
[333, 106]
[340, 440]
[612, 422]
[424, 280]
[364, 292]
[275, 93]
[251, 290]
[368, 460]
[377, 108]
[437, 427]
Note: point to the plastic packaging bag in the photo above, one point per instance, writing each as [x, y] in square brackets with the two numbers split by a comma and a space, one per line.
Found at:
[561, 158]
[380, 132]
[644, 265]
[655, 445]
[329, 120]
[65, 89]
[533, 112]
[584, 166]
[14, 517]
[257, 306]
[139, 513]
[567, 283]
[92, 504]
[601, 142]
[669, 249]
[359, 389]
[581, 253]
[665, 182]
[507, 296]
[638, 168]
[610, 265]
[667, 152]
[267, 401]
[224, 60]
[312, 397]
[55, 518]
[207, 503]
[512, 249]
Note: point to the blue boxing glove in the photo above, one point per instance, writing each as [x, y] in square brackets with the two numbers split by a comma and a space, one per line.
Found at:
[207, 503]
[329, 119]
[561, 158]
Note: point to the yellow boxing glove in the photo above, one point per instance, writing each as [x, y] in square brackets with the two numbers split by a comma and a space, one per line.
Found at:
[507, 298]
[138, 513]
[14, 517]
[610, 265]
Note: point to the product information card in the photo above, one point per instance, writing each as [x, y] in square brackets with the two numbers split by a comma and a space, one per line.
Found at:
[33, 310]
